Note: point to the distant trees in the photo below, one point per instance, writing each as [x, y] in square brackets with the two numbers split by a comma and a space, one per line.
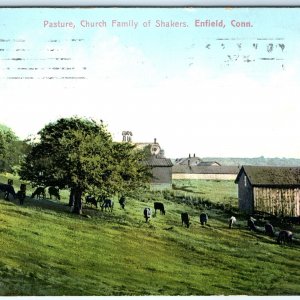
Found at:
[12, 150]
[79, 154]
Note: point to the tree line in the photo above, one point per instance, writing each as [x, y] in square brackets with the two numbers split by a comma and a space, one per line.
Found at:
[12, 150]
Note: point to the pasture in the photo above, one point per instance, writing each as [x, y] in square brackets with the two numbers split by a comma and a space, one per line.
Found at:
[45, 250]
[217, 191]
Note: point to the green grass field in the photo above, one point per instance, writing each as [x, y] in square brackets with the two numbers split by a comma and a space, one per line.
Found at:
[45, 250]
[222, 191]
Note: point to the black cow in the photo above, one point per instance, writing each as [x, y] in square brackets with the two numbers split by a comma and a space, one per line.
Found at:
[251, 224]
[91, 199]
[53, 191]
[122, 201]
[269, 229]
[39, 193]
[203, 218]
[21, 195]
[8, 190]
[108, 204]
[284, 237]
[147, 213]
[160, 206]
[185, 219]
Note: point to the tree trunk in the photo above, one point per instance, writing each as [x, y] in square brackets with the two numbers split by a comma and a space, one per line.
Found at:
[77, 204]
[72, 198]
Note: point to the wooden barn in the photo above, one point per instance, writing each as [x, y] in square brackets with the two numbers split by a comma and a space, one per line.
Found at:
[274, 190]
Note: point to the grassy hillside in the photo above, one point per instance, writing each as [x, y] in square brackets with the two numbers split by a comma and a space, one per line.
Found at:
[45, 250]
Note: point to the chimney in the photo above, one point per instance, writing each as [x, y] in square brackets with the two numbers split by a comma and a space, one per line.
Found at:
[189, 155]
[194, 155]
[154, 140]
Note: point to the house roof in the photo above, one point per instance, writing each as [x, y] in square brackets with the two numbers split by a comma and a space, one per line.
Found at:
[271, 176]
[193, 160]
[208, 163]
[142, 145]
[155, 161]
[184, 169]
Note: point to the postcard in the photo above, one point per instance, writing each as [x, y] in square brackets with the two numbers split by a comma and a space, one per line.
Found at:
[149, 151]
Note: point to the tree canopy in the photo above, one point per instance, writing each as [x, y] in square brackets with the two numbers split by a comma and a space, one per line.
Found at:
[12, 150]
[80, 154]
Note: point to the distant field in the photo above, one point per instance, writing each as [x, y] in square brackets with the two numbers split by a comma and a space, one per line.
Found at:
[45, 250]
[222, 191]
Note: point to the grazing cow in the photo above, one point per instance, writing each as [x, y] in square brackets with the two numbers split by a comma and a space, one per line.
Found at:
[160, 206]
[21, 195]
[269, 229]
[53, 191]
[108, 204]
[185, 219]
[122, 201]
[147, 213]
[203, 218]
[39, 193]
[232, 220]
[251, 224]
[8, 190]
[91, 199]
[284, 237]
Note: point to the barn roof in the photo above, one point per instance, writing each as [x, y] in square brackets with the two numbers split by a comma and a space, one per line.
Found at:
[184, 169]
[155, 161]
[271, 176]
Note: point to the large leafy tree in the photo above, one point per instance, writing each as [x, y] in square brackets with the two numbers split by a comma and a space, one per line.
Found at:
[80, 154]
[132, 172]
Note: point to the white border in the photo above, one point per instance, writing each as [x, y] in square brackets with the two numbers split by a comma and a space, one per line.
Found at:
[143, 3]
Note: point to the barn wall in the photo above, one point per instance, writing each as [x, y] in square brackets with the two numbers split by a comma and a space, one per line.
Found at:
[162, 175]
[204, 176]
[245, 195]
[277, 201]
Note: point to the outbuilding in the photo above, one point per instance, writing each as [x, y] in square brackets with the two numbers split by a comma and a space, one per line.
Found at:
[161, 169]
[205, 172]
[273, 190]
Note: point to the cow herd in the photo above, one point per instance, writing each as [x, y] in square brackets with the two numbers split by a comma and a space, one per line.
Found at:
[185, 219]
[283, 236]
[39, 192]
[9, 191]
[105, 204]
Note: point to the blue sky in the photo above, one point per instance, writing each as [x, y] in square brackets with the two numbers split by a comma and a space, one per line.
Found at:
[211, 91]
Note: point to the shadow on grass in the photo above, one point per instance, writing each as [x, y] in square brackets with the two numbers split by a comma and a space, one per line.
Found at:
[184, 188]
[46, 204]
[62, 208]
